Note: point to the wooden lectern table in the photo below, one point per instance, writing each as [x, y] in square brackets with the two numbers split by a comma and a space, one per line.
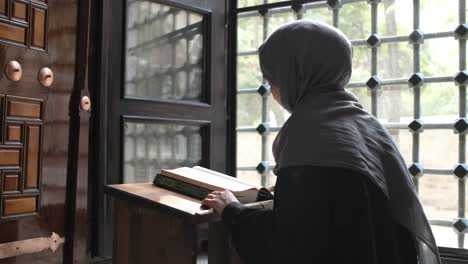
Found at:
[154, 225]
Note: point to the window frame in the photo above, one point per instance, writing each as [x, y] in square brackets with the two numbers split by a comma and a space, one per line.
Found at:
[112, 107]
[449, 254]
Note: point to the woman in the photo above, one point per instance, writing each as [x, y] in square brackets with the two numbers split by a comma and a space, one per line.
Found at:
[343, 193]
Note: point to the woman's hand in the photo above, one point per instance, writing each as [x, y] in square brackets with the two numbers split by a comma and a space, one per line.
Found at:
[219, 200]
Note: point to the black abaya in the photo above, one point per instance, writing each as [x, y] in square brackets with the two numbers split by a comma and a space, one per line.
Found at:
[321, 215]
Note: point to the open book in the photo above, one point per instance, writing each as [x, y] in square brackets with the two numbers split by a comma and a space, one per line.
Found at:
[197, 182]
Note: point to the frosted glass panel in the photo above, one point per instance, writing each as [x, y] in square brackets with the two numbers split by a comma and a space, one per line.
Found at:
[164, 52]
[150, 147]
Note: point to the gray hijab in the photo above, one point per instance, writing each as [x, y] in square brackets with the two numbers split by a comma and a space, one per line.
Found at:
[311, 63]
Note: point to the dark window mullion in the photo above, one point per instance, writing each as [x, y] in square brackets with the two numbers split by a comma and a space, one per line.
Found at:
[265, 120]
[417, 89]
[374, 92]
[462, 114]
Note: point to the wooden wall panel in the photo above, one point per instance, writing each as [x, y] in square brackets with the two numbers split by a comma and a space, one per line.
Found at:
[14, 206]
[122, 232]
[12, 33]
[39, 28]
[9, 157]
[32, 157]
[24, 109]
[136, 228]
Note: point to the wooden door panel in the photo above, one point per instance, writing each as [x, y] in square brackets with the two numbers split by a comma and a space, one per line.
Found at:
[32, 162]
[35, 123]
[13, 133]
[38, 33]
[22, 117]
[19, 11]
[24, 23]
[11, 182]
[16, 206]
[24, 108]
[13, 33]
[10, 157]
[3, 7]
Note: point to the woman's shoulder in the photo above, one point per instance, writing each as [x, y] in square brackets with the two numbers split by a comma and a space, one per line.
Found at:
[312, 169]
[321, 175]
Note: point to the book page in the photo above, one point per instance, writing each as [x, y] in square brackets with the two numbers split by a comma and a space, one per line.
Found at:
[211, 179]
[224, 175]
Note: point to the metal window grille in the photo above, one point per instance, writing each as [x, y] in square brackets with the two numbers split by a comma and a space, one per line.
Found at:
[415, 81]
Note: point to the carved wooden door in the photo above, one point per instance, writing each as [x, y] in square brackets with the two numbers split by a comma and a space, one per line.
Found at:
[35, 127]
